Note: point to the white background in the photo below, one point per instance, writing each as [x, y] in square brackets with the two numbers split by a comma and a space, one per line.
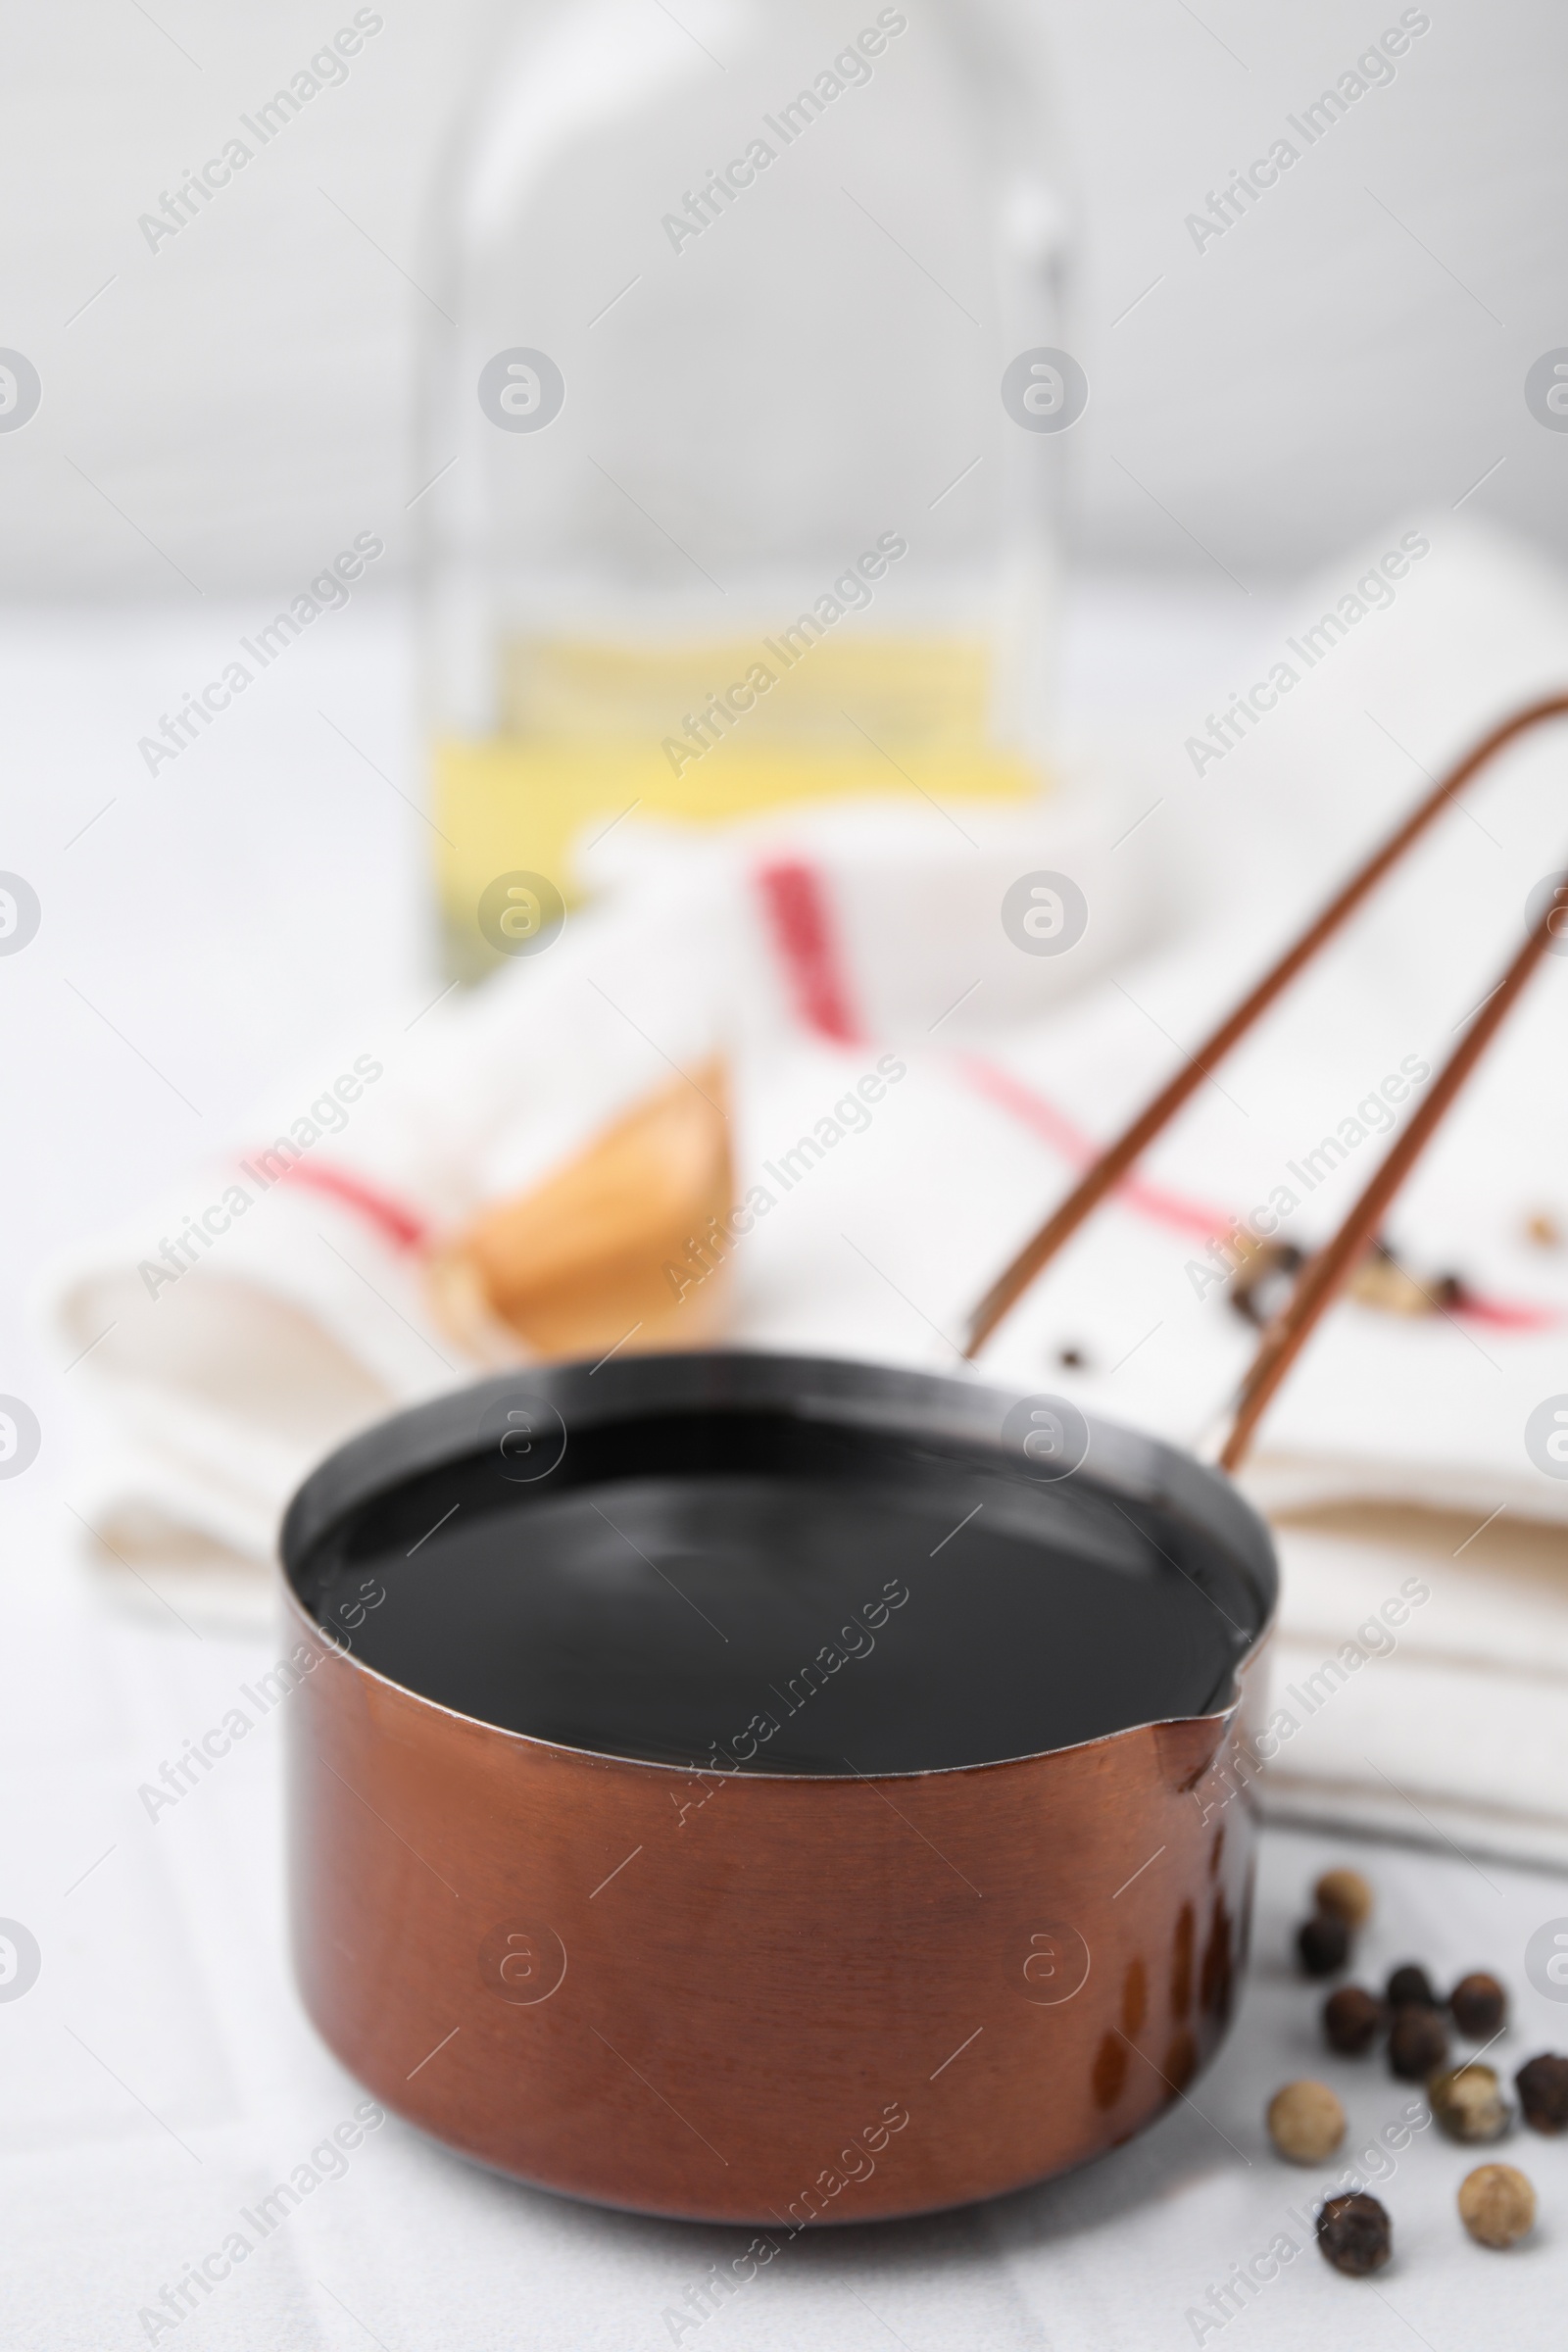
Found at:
[1353, 349]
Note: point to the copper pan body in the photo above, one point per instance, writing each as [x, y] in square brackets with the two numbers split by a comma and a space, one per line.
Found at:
[773, 1999]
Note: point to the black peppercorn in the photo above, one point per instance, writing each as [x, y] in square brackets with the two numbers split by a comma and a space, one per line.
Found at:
[1354, 2234]
[1410, 1985]
[1323, 1943]
[1418, 2043]
[1350, 2020]
[1478, 2006]
[1542, 2087]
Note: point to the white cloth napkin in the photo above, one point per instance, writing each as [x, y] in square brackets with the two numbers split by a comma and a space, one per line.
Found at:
[810, 948]
[1450, 1726]
[302, 1313]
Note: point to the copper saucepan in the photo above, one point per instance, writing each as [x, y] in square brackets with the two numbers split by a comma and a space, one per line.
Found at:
[740, 1755]
[763, 1790]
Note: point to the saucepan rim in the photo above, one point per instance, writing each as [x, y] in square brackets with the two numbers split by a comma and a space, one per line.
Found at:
[841, 1391]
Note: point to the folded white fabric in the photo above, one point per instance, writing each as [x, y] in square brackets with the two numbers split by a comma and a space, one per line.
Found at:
[240, 1329]
[278, 1303]
[1449, 1723]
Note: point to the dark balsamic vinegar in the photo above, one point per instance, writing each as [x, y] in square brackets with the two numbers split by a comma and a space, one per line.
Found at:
[752, 1590]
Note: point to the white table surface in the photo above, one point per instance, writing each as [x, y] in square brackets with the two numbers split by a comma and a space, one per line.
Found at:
[161, 2074]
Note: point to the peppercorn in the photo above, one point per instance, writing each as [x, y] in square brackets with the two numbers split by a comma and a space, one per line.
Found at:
[1323, 1943]
[1478, 2006]
[1409, 1984]
[1354, 2233]
[1350, 2020]
[1418, 2043]
[1262, 1282]
[1305, 2121]
[1344, 1895]
[1496, 2204]
[1542, 2087]
[1468, 2103]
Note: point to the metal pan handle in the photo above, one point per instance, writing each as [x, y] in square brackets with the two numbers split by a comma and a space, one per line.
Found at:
[1325, 1275]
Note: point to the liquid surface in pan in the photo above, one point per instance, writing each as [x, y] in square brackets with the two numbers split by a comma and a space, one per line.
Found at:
[746, 1590]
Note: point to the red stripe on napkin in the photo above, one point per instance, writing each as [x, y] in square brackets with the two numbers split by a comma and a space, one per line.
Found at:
[1033, 1110]
[802, 933]
[392, 1219]
[804, 936]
